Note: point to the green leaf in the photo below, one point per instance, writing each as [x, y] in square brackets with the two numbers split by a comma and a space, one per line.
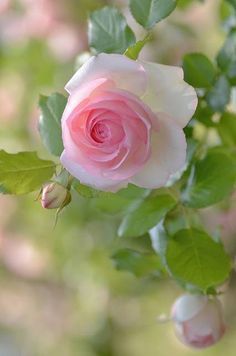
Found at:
[120, 202]
[134, 50]
[23, 172]
[210, 180]
[52, 108]
[198, 70]
[146, 215]
[133, 192]
[226, 58]
[110, 203]
[204, 114]
[139, 264]
[108, 31]
[218, 97]
[141, 244]
[227, 129]
[85, 191]
[193, 257]
[147, 13]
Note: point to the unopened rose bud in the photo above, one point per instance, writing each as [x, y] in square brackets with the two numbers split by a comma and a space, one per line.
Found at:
[55, 196]
[198, 320]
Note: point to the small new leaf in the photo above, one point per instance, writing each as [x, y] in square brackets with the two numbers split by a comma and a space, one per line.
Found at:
[133, 51]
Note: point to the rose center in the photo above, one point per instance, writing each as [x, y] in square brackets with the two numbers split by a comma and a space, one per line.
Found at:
[100, 132]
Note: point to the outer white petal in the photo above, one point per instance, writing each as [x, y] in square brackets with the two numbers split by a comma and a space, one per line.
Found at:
[188, 306]
[168, 154]
[126, 73]
[168, 92]
[97, 182]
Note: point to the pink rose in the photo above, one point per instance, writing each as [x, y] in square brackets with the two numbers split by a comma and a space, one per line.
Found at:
[123, 122]
[198, 320]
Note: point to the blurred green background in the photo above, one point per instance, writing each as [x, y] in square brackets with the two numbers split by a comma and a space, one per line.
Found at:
[59, 291]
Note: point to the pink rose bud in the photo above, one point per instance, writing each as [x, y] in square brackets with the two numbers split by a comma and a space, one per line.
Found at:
[198, 320]
[54, 196]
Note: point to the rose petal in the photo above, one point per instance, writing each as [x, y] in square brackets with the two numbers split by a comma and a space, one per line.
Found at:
[82, 95]
[126, 73]
[206, 322]
[168, 92]
[187, 306]
[95, 181]
[168, 153]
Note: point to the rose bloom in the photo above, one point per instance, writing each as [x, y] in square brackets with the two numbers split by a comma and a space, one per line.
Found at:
[198, 320]
[124, 121]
